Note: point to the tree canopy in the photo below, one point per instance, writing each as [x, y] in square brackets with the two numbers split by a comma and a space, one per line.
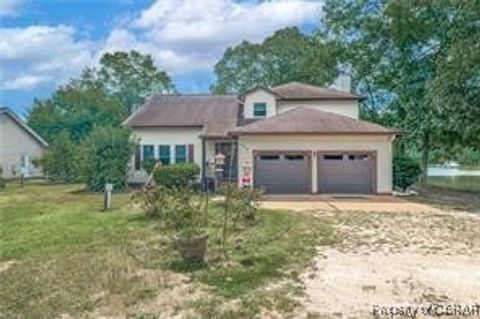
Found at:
[288, 55]
[416, 62]
[99, 97]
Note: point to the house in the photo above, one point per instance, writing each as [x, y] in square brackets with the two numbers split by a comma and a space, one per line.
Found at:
[19, 145]
[294, 138]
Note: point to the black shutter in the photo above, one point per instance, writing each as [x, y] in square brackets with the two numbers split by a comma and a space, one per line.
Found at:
[137, 160]
[190, 153]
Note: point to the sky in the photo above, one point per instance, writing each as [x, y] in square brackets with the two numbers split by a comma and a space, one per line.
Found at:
[43, 43]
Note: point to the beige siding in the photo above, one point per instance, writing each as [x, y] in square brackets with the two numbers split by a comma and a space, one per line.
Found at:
[343, 107]
[259, 96]
[16, 142]
[169, 136]
[382, 145]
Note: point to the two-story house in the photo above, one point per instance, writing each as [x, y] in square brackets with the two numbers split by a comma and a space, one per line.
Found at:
[294, 138]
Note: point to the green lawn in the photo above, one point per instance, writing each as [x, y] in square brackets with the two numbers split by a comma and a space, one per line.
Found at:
[60, 254]
[459, 183]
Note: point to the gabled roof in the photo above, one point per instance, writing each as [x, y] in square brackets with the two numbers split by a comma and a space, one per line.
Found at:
[22, 124]
[302, 91]
[305, 120]
[216, 114]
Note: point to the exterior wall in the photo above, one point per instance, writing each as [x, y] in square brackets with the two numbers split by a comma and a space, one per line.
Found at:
[382, 145]
[15, 142]
[259, 96]
[343, 107]
[165, 135]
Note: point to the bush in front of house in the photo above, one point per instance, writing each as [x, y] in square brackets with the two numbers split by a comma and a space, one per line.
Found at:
[3, 181]
[149, 164]
[61, 159]
[177, 175]
[406, 171]
[105, 154]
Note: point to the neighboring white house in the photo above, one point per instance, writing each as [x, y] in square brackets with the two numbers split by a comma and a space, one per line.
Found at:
[289, 139]
[19, 145]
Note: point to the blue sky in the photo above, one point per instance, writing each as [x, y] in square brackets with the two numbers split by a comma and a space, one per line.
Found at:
[43, 43]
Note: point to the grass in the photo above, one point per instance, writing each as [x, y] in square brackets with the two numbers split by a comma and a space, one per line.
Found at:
[459, 183]
[62, 255]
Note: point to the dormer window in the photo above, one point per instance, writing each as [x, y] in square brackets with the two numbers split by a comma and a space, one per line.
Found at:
[259, 109]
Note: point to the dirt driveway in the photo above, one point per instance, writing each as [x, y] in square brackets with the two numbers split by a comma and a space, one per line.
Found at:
[339, 204]
[398, 254]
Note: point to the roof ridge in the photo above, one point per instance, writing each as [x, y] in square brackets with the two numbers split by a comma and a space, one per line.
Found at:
[23, 124]
[196, 94]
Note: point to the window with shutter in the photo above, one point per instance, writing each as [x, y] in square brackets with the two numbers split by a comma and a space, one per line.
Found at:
[180, 153]
[190, 153]
[164, 154]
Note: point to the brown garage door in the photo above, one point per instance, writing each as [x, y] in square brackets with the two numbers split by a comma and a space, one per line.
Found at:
[283, 172]
[346, 173]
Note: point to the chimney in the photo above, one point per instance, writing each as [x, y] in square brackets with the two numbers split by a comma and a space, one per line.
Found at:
[342, 83]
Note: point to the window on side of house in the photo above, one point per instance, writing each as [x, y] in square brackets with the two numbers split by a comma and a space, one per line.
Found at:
[180, 153]
[164, 154]
[148, 152]
[259, 109]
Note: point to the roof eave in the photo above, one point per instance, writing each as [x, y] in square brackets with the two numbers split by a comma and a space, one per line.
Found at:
[29, 130]
[310, 133]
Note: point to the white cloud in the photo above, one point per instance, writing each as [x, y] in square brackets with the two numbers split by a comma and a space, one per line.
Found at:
[184, 37]
[9, 7]
[191, 35]
[41, 55]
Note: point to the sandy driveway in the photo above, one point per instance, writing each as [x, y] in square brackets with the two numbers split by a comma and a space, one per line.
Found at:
[401, 259]
[336, 204]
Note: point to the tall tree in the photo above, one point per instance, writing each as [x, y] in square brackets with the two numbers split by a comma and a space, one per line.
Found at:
[75, 111]
[132, 77]
[288, 55]
[398, 51]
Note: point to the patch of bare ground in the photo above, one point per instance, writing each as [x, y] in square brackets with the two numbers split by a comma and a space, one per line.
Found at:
[5, 265]
[448, 199]
[395, 259]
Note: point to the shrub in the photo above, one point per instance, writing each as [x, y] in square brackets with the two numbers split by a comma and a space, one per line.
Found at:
[176, 176]
[105, 156]
[3, 181]
[149, 164]
[243, 201]
[187, 214]
[154, 200]
[60, 159]
[406, 171]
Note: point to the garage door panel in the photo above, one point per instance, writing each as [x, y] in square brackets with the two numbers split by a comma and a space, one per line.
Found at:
[283, 173]
[347, 173]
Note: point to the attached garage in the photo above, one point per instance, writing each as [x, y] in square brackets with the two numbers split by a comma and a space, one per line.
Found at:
[346, 172]
[283, 172]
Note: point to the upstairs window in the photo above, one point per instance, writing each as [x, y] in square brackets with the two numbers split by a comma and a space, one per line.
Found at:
[259, 109]
[180, 153]
[164, 154]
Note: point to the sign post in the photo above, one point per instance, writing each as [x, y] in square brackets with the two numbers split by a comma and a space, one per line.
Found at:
[107, 199]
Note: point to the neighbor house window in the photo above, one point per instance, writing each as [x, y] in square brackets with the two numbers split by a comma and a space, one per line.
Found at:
[180, 153]
[148, 152]
[164, 154]
[259, 109]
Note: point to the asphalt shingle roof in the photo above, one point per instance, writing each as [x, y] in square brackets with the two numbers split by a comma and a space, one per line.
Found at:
[305, 120]
[217, 114]
[300, 91]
